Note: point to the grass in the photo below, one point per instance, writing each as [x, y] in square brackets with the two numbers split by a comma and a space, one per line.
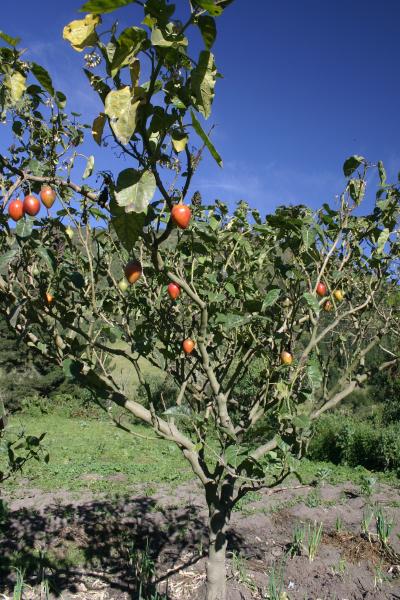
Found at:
[87, 454]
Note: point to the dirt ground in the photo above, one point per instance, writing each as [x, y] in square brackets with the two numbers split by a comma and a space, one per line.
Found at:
[116, 542]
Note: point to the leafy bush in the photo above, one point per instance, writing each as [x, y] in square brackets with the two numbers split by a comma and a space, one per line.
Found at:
[354, 442]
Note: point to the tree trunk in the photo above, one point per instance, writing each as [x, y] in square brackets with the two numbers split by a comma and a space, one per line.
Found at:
[216, 567]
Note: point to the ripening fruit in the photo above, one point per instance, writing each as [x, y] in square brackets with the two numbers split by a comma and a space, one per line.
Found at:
[188, 346]
[69, 232]
[338, 295]
[47, 196]
[16, 209]
[321, 289]
[174, 290]
[286, 358]
[49, 298]
[181, 215]
[31, 205]
[123, 285]
[328, 306]
[133, 271]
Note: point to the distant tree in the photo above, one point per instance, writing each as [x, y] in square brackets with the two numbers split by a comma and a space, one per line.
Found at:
[204, 293]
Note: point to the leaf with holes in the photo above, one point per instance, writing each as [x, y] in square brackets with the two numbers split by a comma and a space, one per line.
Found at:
[121, 106]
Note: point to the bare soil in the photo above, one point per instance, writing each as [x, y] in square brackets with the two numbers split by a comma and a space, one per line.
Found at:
[48, 535]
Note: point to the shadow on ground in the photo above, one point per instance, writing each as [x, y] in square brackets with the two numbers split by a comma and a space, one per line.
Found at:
[110, 540]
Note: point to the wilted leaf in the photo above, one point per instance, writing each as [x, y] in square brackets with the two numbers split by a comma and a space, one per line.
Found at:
[207, 142]
[98, 128]
[121, 107]
[82, 32]
[89, 167]
[203, 79]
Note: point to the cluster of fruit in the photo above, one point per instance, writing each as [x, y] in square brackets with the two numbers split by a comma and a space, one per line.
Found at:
[30, 205]
[321, 291]
[180, 215]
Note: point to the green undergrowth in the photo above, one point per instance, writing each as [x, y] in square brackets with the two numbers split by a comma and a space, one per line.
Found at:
[93, 454]
[97, 456]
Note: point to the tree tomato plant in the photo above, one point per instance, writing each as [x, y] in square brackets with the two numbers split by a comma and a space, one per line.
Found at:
[248, 280]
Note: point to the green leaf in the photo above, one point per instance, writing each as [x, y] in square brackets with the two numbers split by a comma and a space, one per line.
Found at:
[97, 84]
[9, 40]
[312, 302]
[308, 235]
[128, 227]
[98, 128]
[271, 298]
[382, 239]
[179, 140]
[61, 100]
[232, 320]
[230, 288]
[43, 78]
[82, 32]
[207, 142]
[209, 5]
[208, 30]
[314, 373]
[89, 167]
[121, 106]
[72, 368]
[47, 257]
[130, 42]
[203, 79]
[357, 189]
[382, 173]
[7, 257]
[134, 190]
[351, 164]
[104, 6]
[24, 227]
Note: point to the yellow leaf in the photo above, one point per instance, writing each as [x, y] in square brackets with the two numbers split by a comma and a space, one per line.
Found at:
[179, 141]
[82, 32]
[97, 128]
[134, 71]
[16, 84]
[121, 107]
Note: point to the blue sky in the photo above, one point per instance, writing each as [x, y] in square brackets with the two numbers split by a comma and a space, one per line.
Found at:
[306, 84]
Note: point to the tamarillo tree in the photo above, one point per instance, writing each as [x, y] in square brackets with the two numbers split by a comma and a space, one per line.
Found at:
[90, 280]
